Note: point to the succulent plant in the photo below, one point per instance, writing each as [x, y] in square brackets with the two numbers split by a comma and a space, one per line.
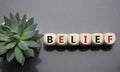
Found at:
[18, 38]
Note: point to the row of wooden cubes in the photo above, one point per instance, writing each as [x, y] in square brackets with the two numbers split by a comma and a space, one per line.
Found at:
[80, 39]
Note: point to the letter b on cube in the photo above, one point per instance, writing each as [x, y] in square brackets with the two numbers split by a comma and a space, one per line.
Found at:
[50, 39]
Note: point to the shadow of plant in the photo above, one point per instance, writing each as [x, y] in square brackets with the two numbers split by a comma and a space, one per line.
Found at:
[14, 66]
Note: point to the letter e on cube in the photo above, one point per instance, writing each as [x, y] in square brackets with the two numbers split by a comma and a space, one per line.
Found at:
[62, 39]
[97, 38]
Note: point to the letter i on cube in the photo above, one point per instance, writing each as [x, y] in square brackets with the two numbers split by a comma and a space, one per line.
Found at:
[85, 39]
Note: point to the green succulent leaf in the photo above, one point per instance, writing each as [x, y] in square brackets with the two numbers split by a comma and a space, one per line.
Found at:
[2, 31]
[13, 19]
[23, 21]
[2, 50]
[14, 23]
[32, 44]
[20, 29]
[28, 35]
[2, 43]
[29, 53]
[10, 55]
[22, 45]
[37, 37]
[4, 37]
[17, 37]
[6, 29]
[30, 22]
[17, 17]
[31, 28]
[10, 45]
[19, 56]
[7, 21]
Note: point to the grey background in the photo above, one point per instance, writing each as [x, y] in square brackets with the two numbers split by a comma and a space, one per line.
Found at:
[68, 16]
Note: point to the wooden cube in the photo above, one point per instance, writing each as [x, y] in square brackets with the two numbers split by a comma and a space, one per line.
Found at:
[62, 39]
[109, 38]
[97, 38]
[73, 39]
[50, 39]
[85, 38]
